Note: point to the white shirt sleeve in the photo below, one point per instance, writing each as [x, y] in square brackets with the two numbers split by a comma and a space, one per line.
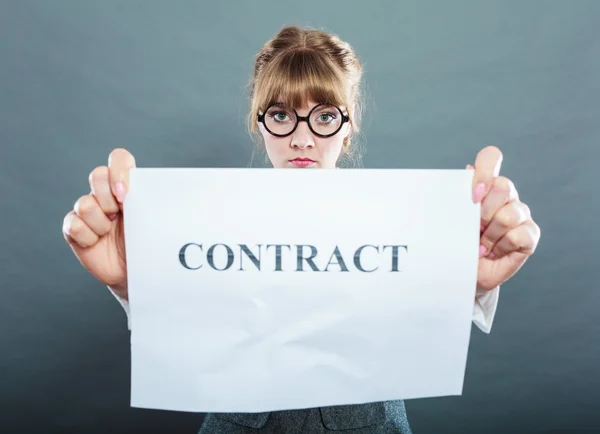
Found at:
[125, 305]
[484, 308]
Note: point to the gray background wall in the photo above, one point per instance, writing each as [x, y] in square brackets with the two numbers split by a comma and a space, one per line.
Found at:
[167, 81]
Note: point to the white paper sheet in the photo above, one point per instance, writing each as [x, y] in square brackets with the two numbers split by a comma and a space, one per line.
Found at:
[211, 339]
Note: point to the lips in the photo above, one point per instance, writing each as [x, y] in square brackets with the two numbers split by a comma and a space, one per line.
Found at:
[302, 162]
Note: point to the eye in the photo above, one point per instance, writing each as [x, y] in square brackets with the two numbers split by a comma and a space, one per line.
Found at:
[279, 116]
[325, 117]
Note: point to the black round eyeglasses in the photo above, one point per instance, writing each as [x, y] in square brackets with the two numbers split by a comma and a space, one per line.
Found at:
[323, 120]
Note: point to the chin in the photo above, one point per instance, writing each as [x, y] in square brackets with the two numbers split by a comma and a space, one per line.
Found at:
[312, 166]
[291, 165]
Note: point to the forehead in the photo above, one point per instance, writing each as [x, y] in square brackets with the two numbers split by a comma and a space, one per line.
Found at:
[301, 79]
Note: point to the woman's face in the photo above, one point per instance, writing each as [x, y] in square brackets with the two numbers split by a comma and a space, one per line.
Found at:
[302, 148]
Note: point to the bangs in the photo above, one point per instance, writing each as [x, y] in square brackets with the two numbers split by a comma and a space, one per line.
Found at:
[297, 76]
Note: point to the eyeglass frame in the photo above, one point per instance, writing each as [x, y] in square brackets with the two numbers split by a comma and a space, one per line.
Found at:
[345, 118]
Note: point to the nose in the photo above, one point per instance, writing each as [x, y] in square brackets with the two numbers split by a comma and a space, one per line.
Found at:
[302, 137]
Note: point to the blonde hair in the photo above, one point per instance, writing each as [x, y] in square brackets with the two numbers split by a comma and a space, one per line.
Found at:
[304, 63]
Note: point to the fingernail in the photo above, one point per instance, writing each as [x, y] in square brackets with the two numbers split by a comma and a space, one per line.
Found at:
[469, 167]
[120, 191]
[112, 217]
[482, 250]
[491, 255]
[478, 192]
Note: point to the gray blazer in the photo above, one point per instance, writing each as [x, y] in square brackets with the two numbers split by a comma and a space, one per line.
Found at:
[374, 418]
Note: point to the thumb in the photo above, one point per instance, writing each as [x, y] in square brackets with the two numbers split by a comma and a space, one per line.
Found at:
[119, 162]
[487, 168]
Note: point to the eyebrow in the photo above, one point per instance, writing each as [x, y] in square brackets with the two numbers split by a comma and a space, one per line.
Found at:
[281, 103]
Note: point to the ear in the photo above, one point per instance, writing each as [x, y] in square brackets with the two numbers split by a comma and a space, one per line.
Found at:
[348, 127]
[261, 128]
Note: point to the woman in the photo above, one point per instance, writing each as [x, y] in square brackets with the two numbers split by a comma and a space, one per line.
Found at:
[305, 106]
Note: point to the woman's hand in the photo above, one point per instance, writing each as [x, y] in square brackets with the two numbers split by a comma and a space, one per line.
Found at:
[508, 233]
[94, 228]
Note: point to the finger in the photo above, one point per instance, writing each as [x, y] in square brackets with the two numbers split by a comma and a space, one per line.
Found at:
[100, 187]
[510, 216]
[119, 162]
[523, 239]
[77, 233]
[88, 210]
[503, 191]
[487, 167]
